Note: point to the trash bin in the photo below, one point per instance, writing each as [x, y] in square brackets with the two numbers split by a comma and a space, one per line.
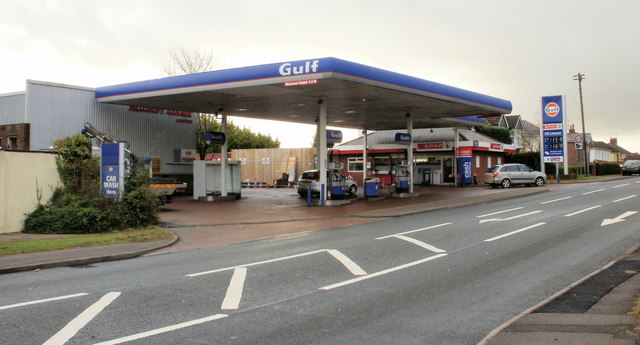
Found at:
[372, 187]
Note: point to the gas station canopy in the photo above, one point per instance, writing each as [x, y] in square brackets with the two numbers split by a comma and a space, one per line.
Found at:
[356, 96]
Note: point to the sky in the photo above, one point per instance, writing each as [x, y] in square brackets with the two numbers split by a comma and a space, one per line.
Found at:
[512, 49]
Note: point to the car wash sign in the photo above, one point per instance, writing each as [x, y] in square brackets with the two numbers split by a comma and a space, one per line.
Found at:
[112, 172]
[553, 123]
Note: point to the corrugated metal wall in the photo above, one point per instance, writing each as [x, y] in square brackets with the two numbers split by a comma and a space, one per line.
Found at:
[12, 108]
[58, 111]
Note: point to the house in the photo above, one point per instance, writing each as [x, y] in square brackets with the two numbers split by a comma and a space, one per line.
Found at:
[525, 136]
[618, 154]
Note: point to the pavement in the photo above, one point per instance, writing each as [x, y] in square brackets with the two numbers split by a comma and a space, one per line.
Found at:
[594, 310]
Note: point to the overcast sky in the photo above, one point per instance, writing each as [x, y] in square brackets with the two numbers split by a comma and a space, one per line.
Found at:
[511, 49]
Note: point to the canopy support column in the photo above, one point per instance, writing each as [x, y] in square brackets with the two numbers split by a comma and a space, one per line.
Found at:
[322, 150]
[410, 150]
[223, 162]
[364, 155]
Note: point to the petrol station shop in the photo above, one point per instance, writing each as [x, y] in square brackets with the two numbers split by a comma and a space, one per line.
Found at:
[434, 155]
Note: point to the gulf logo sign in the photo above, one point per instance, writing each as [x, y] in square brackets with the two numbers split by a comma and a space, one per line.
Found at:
[552, 109]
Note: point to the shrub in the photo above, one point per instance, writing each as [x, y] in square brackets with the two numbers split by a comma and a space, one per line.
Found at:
[77, 207]
[606, 168]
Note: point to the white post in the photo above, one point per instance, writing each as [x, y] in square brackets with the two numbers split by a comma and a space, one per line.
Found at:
[223, 162]
[455, 158]
[410, 151]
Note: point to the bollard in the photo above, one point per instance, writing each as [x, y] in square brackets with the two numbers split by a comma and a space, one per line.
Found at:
[309, 195]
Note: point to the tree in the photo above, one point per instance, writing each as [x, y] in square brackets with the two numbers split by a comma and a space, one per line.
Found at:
[191, 62]
[499, 133]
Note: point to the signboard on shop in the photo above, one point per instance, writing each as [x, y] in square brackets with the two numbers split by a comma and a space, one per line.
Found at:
[403, 138]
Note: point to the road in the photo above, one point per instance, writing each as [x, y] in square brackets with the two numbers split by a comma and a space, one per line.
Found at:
[445, 277]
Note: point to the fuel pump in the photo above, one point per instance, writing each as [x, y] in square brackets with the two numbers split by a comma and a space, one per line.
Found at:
[403, 178]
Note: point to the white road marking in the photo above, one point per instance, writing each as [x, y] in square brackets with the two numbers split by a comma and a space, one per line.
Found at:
[509, 218]
[17, 305]
[515, 232]
[348, 263]
[68, 331]
[494, 213]
[163, 330]
[234, 291]
[582, 211]
[625, 198]
[621, 185]
[618, 219]
[554, 200]
[412, 231]
[383, 272]
[421, 244]
[593, 191]
[257, 263]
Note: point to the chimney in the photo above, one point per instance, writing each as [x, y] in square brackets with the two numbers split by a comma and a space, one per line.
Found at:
[572, 129]
[613, 141]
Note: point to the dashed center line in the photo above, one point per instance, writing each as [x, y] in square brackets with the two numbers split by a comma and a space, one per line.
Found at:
[421, 244]
[582, 211]
[625, 198]
[593, 191]
[554, 200]
[621, 185]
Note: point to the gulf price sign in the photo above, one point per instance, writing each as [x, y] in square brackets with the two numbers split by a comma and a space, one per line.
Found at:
[553, 136]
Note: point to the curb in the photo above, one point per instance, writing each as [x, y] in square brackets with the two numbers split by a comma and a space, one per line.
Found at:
[516, 318]
[90, 259]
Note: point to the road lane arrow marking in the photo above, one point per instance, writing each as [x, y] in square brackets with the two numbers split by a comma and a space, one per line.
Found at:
[509, 218]
[618, 219]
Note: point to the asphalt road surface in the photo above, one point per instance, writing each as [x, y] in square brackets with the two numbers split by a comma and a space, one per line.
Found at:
[445, 277]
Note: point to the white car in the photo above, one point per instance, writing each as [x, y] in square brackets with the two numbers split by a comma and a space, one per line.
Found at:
[337, 183]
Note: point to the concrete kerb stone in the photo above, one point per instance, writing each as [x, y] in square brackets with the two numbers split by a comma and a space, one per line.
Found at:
[91, 259]
[496, 333]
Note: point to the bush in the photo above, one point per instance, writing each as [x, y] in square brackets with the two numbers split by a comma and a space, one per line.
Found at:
[606, 168]
[531, 159]
[78, 207]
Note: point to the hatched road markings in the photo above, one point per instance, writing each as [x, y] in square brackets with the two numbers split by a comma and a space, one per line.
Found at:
[420, 243]
[499, 212]
[163, 330]
[23, 304]
[509, 218]
[554, 200]
[514, 232]
[234, 291]
[412, 231]
[68, 331]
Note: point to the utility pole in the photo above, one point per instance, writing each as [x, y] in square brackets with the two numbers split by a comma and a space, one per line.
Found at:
[579, 77]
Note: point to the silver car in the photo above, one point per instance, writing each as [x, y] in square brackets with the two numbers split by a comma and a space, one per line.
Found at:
[506, 175]
[336, 181]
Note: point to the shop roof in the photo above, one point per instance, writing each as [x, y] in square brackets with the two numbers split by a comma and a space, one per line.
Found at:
[357, 96]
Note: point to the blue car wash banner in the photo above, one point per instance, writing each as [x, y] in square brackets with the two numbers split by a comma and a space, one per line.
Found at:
[553, 127]
[112, 171]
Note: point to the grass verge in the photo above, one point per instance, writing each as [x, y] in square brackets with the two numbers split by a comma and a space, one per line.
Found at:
[90, 240]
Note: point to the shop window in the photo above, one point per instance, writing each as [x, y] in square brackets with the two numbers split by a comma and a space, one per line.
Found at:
[477, 162]
[0, 143]
[499, 160]
[489, 162]
[356, 164]
[382, 163]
